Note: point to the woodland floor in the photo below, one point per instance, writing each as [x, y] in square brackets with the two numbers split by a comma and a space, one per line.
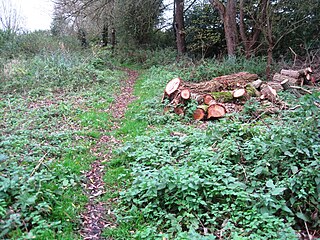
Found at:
[98, 214]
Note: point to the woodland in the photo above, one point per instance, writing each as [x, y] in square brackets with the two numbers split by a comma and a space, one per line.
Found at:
[159, 119]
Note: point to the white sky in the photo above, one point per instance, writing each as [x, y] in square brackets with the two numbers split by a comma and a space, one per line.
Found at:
[37, 14]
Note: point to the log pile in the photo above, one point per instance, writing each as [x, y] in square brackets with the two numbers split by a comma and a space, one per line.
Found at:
[295, 77]
[293, 80]
[214, 98]
[228, 93]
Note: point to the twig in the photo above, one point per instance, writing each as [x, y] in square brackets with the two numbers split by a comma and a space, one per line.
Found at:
[309, 235]
[302, 89]
[317, 104]
[295, 107]
[39, 164]
[295, 56]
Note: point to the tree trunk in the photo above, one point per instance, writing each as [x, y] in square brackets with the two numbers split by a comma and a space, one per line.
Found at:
[105, 35]
[228, 15]
[242, 30]
[179, 26]
[113, 38]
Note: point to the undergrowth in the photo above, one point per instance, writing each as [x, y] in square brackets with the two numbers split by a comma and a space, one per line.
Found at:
[52, 110]
[236, 178]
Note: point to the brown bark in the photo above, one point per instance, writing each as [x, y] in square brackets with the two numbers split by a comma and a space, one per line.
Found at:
[242, 30]
[113, 38]
[258, 18]
[179, 26]
[279, 78]
[226, 82]
[297, 73]
[228, 15]
[275, 85]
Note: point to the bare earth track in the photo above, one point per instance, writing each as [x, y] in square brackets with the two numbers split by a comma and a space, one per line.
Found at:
[98, 214]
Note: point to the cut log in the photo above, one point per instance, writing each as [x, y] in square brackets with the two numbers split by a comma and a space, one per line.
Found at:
[216, 111]
[269, 93]
[199, 114]
[207, 98]
[257, 84]
[178, 110]
[238, 93]
[275, 85]
[285, 84]
[296, 73]
[287, 87]
[252, 90]
[172, 86]
[185, 94]
[279, 78]
[290, 73]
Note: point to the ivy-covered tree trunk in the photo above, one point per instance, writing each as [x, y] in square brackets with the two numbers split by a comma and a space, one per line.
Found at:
[228, 14]
[179, 26]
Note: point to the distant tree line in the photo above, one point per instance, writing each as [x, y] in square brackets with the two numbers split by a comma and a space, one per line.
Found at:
[199, 28]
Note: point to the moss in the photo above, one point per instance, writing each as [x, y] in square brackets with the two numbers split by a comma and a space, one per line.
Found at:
[222, 96]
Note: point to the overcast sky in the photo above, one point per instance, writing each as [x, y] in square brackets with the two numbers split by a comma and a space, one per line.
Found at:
[36, 13]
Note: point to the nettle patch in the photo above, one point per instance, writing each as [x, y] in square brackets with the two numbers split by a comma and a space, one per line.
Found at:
[238, 178]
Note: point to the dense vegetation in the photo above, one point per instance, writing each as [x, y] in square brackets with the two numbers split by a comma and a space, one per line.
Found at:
[47, 127]
[247, 176]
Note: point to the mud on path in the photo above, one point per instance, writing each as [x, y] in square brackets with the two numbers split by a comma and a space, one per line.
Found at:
[98, 215]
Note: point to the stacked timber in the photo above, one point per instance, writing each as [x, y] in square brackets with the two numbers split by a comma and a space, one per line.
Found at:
[295, 77]
[211, 96]
[226, 93]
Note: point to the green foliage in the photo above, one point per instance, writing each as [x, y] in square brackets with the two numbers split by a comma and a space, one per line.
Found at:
[204, 31]
[136, 21]
[47, 126]
[29, 44]
[50, 72]
[236, 179]
[209, 69]
[146, 58]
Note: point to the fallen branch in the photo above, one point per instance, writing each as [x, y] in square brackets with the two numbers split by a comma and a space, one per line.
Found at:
[302, 89]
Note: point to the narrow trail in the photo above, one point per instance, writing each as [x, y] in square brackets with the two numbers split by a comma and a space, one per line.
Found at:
[98, 215]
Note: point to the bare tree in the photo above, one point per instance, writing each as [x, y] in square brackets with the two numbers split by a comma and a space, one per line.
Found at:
[10, 18]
